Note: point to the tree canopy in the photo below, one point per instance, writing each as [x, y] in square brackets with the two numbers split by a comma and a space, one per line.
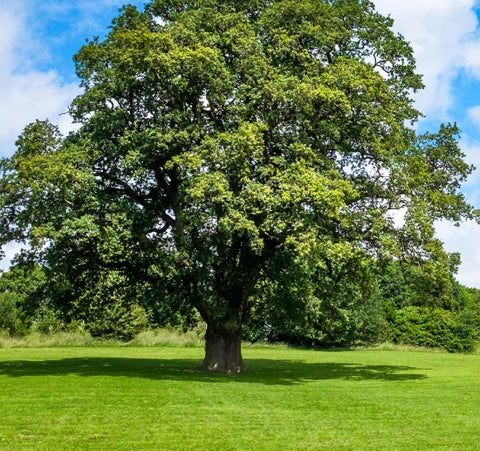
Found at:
[235, 154]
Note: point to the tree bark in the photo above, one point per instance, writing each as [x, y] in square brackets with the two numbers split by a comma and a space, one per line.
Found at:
[223, 351]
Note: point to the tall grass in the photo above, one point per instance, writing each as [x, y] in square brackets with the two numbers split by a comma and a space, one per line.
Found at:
[41, 340]
[168, 337]
[159, 337]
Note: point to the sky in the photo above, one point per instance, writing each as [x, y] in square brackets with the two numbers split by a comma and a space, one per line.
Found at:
[37, 79]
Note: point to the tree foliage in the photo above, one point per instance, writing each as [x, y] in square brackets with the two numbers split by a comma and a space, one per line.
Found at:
[22, 297]
[236, 153]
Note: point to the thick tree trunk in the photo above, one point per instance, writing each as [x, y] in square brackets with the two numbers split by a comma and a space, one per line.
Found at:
[223, 351]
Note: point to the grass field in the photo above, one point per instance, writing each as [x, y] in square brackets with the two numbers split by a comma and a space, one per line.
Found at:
[142, 398]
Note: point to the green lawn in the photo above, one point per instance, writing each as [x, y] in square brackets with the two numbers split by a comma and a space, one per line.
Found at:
[134, 398]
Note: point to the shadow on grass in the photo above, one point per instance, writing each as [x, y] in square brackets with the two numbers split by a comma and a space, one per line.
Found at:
[261, 371]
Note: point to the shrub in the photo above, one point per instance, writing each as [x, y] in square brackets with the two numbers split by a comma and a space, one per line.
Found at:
[46, 322]
[117, 320]
[421, 326]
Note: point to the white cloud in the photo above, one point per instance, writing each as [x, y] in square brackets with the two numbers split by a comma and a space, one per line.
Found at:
[442, 36]
[461, 239]
[10, 250]
[472, 156]
[27, 94]
[32, 96]
[474, 114]
[472, 58]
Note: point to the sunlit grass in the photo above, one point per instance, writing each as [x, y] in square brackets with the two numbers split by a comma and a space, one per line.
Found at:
[158, 337]
[140, 398]
[40, 340]
[169, 337]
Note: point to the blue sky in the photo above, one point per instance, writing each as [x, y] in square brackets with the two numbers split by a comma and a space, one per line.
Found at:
[39, 37]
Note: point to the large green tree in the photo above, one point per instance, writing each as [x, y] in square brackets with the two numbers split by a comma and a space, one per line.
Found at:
[233, 151]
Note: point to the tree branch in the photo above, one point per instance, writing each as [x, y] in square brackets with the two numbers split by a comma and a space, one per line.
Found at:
[125, 188]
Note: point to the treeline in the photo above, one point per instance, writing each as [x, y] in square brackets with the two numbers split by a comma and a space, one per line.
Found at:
[405, 304]
[396, 302]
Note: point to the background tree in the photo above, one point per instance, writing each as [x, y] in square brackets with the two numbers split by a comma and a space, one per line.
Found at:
[229, 146]
[21, 297]
[424, 306]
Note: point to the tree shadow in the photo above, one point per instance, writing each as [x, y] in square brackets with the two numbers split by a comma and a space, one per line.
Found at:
[261, 371]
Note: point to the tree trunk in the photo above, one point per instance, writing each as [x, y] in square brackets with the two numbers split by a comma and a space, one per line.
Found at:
[223, 351]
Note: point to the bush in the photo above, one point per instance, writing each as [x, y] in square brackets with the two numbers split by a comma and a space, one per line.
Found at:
[118, 321]
[46, 322]
[420, 326]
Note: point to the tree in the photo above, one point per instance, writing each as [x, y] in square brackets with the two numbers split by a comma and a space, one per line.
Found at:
[425, 306]
[22, 296]
[229, 150]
